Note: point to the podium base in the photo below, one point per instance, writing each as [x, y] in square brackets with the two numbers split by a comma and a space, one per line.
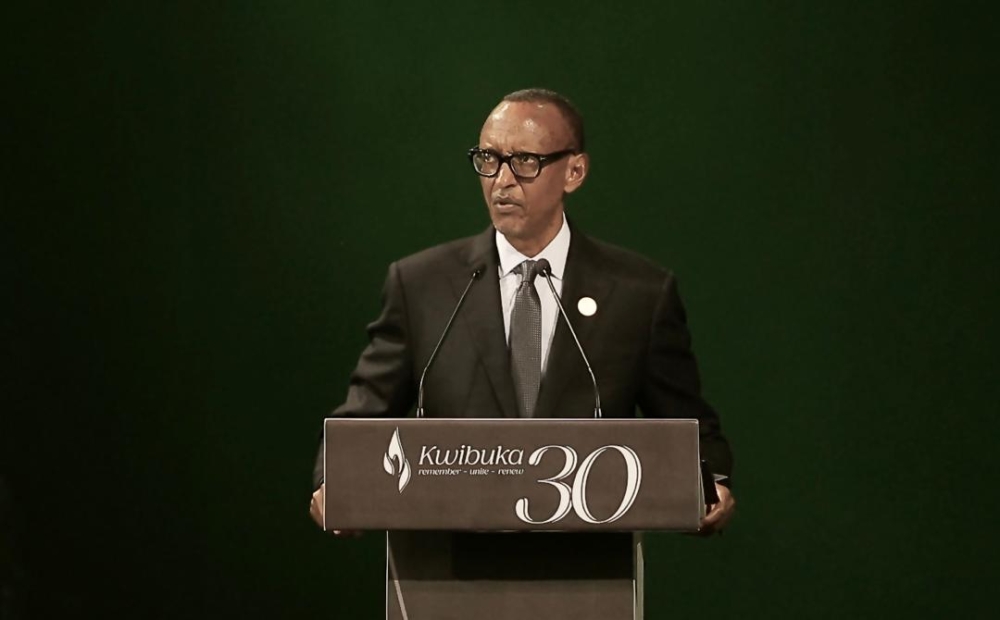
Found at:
[517, 575]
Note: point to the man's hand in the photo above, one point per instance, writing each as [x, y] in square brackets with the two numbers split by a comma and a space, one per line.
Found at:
[718, 514]
[316, 508]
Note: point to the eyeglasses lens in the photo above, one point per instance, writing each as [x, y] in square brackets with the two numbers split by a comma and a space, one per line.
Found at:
[526, 166]
[486, 163]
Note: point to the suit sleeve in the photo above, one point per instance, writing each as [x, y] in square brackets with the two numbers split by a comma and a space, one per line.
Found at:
[381, 384]
[672, 386]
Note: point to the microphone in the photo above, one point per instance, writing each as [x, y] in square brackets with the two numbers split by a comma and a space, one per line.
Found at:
[546, 271]
[476, 273]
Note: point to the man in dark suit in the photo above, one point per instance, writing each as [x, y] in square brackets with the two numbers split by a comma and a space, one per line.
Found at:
[509, 354]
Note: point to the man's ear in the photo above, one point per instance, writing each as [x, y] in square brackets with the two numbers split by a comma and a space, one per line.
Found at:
[576, 172]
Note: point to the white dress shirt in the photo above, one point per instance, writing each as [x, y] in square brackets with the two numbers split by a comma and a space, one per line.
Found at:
[555, 252]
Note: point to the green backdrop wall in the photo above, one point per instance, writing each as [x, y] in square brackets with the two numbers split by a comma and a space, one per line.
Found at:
[200, 202]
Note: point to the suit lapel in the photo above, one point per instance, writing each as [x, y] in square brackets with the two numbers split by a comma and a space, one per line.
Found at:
[585, 276]
[482, 317]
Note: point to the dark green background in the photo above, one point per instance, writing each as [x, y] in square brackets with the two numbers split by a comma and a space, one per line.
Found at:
[199, 205]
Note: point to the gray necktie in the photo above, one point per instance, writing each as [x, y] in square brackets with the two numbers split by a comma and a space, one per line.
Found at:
[526, 340]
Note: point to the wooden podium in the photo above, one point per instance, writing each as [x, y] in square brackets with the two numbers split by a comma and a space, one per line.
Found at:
[503, 518]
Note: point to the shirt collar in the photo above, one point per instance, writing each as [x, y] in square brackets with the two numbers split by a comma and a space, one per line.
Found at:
[555, 252]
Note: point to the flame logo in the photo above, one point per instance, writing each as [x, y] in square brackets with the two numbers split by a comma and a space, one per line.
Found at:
[394, 461]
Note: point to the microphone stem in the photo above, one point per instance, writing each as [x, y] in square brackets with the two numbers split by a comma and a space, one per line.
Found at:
[593, 379]
[420, 390]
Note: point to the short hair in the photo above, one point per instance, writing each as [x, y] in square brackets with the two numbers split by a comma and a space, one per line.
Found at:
[569, 112]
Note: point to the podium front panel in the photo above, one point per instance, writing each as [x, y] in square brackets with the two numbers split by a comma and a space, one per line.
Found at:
[512, 475]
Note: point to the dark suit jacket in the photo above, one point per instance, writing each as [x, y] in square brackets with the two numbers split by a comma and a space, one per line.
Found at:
[637, 341]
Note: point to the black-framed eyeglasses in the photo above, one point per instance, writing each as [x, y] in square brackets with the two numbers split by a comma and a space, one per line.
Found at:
[487, 162]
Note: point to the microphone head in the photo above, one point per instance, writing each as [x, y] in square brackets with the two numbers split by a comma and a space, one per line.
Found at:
[478, 272]
[544, 267]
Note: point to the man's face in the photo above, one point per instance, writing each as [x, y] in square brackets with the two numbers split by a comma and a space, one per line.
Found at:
[529, 211]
